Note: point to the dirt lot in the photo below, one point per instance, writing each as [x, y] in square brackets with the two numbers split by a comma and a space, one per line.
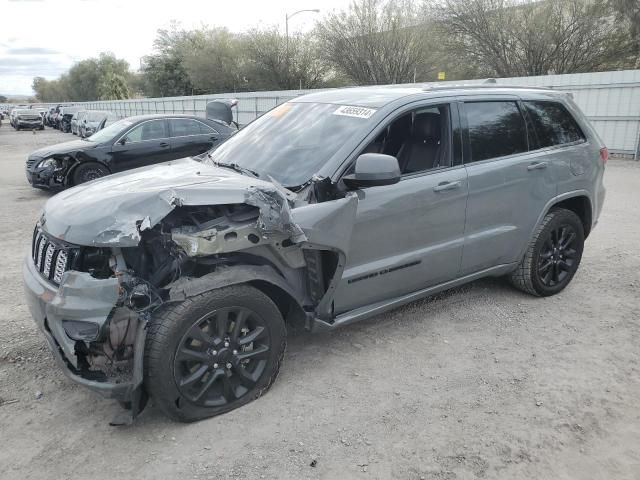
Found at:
[481, 382]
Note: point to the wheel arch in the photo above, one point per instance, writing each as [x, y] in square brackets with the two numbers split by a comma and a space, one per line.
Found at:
[262, 277]
[580, 204]
[69, 175]
[578, 201]
[290, 309]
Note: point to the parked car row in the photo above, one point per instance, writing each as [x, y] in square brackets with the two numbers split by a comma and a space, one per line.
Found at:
[125, 144]
[77, 120]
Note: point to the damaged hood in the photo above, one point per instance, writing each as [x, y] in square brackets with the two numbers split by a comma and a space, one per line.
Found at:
[63, 148]
[112, 211]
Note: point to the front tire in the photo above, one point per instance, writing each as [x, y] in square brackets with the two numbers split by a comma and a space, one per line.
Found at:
[213, 352]
[86, 172]
[553, 255]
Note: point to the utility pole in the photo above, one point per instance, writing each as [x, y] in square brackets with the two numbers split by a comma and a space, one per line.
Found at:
[286, 34]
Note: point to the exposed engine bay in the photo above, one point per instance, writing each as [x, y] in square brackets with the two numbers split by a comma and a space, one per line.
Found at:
[190, 242]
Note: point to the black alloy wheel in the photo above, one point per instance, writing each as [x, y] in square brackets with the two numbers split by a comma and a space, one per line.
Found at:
[86, 172]
[557, 256]
[222, 356]
[213, 352]
[553, 255]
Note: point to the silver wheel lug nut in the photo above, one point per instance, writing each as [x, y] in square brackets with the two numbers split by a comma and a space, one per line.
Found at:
[226, 344]
[235, 352]
[214, 352]
[215, 365]
[229, 365]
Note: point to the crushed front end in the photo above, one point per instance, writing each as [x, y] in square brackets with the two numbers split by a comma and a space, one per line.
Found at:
[93, 319]
[47, 173]
[107, 255]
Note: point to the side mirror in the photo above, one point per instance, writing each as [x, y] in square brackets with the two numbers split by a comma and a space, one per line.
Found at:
[122, 141]
[373, 169]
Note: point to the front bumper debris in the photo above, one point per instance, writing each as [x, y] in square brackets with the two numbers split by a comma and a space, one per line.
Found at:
[80, 297]
[43, 179]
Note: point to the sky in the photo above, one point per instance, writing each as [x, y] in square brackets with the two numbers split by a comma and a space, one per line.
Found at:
[46, 37]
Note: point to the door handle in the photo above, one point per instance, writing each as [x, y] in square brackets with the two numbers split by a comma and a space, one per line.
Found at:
[443, 186]
[215, 139]
[537, 166]
[164, 144]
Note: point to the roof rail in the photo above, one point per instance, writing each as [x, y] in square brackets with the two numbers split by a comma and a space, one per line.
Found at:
[485, 85]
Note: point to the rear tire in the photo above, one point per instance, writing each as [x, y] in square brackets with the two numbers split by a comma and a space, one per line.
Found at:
[213, 352]
[86, 172]
[553, 255]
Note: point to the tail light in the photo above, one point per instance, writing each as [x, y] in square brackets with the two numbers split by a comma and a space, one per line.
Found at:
[604, 154]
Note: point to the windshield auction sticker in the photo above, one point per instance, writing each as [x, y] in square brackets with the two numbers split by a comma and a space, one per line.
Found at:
[280, 110]
[358, 112]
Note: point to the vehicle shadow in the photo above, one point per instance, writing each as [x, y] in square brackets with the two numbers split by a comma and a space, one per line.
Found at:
[412, 316]
[30, 194]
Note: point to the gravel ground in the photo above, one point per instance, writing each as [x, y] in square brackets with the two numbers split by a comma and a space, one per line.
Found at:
[479, 382]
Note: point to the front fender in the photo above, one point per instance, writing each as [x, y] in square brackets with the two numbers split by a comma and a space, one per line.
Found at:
[328, 226]
[186, 287]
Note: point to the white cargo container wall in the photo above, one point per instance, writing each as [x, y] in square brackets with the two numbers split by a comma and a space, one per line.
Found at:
[611, 101]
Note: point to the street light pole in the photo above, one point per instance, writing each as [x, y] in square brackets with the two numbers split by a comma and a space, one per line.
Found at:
[286, 33]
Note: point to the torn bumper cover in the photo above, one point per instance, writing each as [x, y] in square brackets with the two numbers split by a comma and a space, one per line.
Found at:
[51, 176]
[79, 298]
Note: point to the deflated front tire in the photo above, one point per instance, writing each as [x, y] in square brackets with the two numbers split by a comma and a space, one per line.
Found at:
[213, 352]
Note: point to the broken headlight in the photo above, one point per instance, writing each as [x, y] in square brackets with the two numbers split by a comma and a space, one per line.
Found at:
[48, 163]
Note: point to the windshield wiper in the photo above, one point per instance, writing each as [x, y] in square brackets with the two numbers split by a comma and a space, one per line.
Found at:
[237, 168]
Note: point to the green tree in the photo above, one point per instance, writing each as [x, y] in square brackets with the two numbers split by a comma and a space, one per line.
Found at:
[113, 87]
[213, 63]
[3, 99]
[520, 38]
[270, 64]
[628, 16]
[164, 73]
[376, 41]
[51, 90]
[83, 81]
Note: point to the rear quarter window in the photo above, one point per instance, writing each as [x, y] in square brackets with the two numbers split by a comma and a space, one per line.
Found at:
[552, 123]
[496, 129]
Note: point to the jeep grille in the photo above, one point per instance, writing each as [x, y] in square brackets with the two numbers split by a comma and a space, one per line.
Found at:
[49, 257]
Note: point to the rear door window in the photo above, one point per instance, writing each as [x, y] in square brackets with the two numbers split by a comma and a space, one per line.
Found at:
[552, 123]
[496, 129]
[183, 127]
[150, 130]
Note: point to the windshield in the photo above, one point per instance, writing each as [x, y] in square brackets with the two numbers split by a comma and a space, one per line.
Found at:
[293, 141]
[109, 132]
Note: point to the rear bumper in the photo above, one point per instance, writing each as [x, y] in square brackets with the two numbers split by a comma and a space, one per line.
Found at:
[80, 297]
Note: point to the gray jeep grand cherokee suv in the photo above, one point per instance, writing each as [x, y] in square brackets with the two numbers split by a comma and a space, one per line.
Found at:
[176, 281]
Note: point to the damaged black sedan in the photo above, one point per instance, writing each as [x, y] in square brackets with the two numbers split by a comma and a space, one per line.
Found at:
[177, 281]
[126, 144]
